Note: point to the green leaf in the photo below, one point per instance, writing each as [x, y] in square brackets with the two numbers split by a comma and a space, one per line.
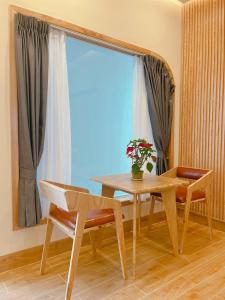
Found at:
[135, 168]
[149, 167]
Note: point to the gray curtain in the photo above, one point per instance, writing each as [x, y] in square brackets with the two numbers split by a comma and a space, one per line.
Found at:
[31, 41]
[160, 90]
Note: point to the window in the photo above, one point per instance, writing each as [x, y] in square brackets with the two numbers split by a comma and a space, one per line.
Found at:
[104, 152]
[100, 85]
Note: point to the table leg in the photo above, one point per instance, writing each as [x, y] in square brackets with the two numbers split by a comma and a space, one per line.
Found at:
[169, 201]
[107, 191]
[134, 233]
[139, 215]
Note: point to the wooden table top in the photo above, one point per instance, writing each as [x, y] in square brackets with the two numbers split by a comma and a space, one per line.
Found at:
[150, 183]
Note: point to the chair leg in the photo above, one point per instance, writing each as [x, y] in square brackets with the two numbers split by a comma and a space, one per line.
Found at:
[209, 215]
[185, 225]
[151, 212]
[46, 245]
[180, 217]
[93, 241]
[100, 237]
[120, 238]
[75, 254]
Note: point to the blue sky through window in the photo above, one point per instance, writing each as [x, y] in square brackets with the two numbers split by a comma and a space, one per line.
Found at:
[100, 86]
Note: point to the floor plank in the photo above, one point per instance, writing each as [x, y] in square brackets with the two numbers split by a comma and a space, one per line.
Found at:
[199, 273]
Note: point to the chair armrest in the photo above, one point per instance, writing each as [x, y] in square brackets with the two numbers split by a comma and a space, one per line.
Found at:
[170, 173]
[201, 184]
[69, 187]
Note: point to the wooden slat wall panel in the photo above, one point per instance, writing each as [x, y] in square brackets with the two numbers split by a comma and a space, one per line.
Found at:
[202, 127]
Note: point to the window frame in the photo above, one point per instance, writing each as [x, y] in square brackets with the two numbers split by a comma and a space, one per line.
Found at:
[83, 34]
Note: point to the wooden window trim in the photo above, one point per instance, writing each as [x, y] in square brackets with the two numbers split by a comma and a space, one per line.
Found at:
[112, 43]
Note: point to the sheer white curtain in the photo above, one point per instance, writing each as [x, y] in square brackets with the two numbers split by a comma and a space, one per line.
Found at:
[55, 163]
[141, 120]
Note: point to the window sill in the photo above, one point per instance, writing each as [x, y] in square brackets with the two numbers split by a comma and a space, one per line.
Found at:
[42, 222]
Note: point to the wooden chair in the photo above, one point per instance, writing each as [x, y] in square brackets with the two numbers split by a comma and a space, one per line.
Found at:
[75, 211]
[197, 190]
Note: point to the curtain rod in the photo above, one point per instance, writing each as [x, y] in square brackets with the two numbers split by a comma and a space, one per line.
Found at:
[96, 41]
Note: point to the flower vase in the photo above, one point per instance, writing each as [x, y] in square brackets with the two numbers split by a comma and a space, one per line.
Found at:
[137, 175]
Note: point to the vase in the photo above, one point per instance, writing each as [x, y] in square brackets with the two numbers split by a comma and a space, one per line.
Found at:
[137, 175]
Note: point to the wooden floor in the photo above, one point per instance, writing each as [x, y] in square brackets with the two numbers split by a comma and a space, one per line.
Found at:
[197, 274]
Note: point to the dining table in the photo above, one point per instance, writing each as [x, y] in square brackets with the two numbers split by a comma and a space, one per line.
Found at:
[149, 184]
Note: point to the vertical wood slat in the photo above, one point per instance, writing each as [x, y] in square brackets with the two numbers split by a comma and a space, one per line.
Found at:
[202, 122]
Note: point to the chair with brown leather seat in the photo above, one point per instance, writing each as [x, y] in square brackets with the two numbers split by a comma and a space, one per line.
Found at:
[75, 211]
[196, 190]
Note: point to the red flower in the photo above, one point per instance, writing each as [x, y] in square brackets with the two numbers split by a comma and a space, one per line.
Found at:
[130, 149]
[145, 145]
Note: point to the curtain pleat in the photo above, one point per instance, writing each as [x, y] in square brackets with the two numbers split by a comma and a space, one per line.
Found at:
[160, 90]
[55, 164]
[31, 42]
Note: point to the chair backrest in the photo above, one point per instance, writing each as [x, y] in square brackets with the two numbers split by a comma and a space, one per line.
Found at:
[191, 173]
[71, 198]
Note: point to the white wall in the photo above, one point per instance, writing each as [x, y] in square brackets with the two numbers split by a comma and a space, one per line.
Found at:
[153, 24]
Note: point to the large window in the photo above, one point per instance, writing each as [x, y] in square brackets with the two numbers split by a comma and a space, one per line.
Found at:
[100, 86]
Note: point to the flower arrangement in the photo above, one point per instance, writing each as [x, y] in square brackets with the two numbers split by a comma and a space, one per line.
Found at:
[140, 151]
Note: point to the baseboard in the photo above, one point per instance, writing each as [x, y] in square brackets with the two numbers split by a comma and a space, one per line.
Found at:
[32, 255]
[217, 224]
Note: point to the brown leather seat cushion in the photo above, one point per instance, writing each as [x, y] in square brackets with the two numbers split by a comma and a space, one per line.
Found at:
[94, 217]
[190, 173]
[181, 194]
